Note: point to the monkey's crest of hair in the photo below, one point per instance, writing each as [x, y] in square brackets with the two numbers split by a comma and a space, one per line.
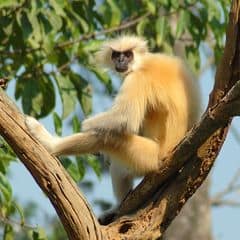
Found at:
[121, 44]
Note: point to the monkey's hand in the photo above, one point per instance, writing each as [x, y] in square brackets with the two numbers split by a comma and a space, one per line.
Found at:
[106, 122]
[40, 133]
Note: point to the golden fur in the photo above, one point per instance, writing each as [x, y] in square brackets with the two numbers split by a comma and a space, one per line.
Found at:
[156, 104]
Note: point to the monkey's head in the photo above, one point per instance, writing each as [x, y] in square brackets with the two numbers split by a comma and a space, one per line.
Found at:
[122, 54]
[122, 60]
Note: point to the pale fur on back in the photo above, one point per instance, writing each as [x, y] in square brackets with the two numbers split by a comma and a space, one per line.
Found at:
[162, 84]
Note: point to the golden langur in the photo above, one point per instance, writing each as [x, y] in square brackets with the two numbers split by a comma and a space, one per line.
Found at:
[156, 104]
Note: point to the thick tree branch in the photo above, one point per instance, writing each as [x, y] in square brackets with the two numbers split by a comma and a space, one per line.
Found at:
[48, 172]
[227, 74]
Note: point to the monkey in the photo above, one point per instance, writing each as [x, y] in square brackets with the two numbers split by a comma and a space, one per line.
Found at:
[158, 102]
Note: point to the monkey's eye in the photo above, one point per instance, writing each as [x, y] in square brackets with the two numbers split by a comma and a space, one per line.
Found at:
[115, 54]
[128, 54]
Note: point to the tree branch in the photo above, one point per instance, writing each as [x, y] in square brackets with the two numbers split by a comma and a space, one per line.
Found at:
[71, 206]
[184, 151]
[233, 187]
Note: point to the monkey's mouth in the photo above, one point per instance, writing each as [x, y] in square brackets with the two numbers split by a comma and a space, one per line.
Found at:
[121, 69]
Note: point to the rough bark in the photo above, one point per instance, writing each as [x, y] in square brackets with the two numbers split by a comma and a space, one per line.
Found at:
[161, 195]
[196, 214]
[227, 75]
[72, 208]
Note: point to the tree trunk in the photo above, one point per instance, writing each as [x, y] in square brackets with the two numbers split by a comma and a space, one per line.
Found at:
[196, 214]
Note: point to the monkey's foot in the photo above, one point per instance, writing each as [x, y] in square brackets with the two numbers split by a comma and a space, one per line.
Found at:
[40, 133]
[107, 217]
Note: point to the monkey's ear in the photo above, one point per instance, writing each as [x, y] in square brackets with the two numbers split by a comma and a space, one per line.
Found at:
[102, 57]
[140, 44]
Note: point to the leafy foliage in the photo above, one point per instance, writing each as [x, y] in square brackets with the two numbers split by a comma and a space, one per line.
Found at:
[42, 42]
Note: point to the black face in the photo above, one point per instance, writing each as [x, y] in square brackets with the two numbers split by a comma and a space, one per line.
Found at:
[122, 59]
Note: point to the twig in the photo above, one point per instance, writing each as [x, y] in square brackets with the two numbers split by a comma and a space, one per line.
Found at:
[222, 202]
[104, 31]
[122, 26]
[12, 222]
[231, 187]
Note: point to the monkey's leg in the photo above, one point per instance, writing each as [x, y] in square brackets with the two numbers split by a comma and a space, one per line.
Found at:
[122, 180]
[137, 153]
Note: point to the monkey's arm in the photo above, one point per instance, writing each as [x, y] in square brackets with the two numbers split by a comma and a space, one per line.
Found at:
[137, 153]
[128, 110]
[126, 115]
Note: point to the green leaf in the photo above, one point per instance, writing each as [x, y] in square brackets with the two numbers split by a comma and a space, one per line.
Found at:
[213, 9]
[151, 6]
[2, 167]
[175, 4]
[7, 25]
[44, 22]
[115, 11]
[161, 26]
[103, 77]
[68, 94]
[36, 38]
[8, 3]
[48, 44]
[193, 58]
[76, 125]
[6, 149]
[8, 232]
[94, 163]
[71, 168]
[84, 92]
[39, 234]
[182, 23]
[92, 46]
[142, 26]
[81, 167]
[111, 13]
[5, 188]
[38, 97]
[20, 212]
[58, 6]
[84, 24]
[57, 124]
[55, 20]
[5, 158]
[197, 28]
[26, 26]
